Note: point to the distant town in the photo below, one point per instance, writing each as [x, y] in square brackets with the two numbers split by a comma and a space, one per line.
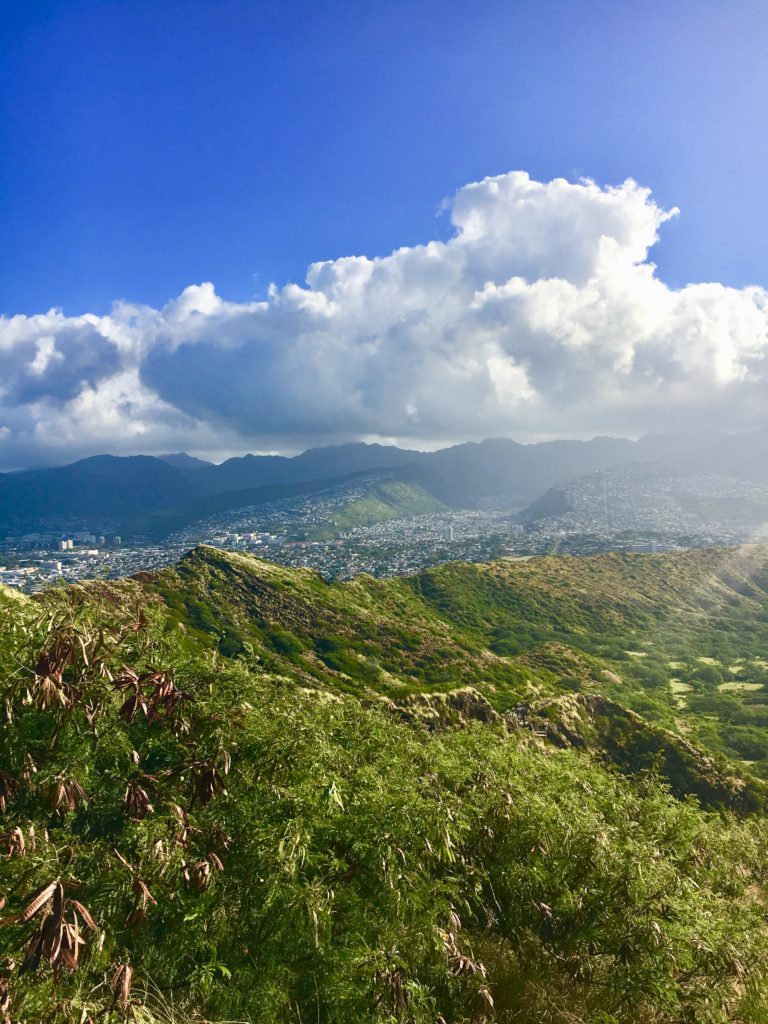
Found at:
[631, 508]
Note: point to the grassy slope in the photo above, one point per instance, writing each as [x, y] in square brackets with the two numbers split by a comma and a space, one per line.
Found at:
[166, 521]
[391, 499]
[610, 600]
[614, 624]
[514, 631]
[653, 620]
[374, 871]
[11, 599]
[365, 637]
[710, 600]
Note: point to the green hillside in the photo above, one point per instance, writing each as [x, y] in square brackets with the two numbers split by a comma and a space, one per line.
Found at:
[168, 520]
[390, 499]
[675, 637]
[507, 792]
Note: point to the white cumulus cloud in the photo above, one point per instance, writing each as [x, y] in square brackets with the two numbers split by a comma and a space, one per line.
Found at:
[541, 315]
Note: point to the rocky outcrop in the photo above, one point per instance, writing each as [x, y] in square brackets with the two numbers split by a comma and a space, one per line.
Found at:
[633, 744]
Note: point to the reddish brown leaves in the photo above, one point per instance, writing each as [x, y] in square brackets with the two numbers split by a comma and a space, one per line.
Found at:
[15, 844]
[30, 768]
[52, 662]
[91, 710]
[50, 688]
[71, 659]
[208, 784]
[459, 962]
[137, 919]
[57, 940]
[153, 693]
[136, 704]
[5, 1002]
[66, 795]
[208, 780]
[121, 983]
[84, 913]
[38, 900]
[136, 802]
[128, 679]
[141, 889]
[221, 839]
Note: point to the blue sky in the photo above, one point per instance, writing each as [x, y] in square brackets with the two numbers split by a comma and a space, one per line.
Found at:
[145, 146]
[231, 226]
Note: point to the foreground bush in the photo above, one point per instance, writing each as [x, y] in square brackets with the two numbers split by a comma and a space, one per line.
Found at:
[188, 826]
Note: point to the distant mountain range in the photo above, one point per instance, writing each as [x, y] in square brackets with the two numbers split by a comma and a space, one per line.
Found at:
[112, 493]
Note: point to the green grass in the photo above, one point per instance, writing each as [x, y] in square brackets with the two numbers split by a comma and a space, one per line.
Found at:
[381, 502]
[515, 631]
[392, 800]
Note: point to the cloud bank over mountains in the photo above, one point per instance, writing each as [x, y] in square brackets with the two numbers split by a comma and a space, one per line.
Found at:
[541, 316]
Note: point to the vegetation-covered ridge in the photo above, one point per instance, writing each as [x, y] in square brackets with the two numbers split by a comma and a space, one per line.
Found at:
[681, 638]
[229, 790]
[382, 501]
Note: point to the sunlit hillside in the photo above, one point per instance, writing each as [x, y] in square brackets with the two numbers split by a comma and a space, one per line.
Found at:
[236, 791]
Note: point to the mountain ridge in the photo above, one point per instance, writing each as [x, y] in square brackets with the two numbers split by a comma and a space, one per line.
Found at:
[119, 489]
